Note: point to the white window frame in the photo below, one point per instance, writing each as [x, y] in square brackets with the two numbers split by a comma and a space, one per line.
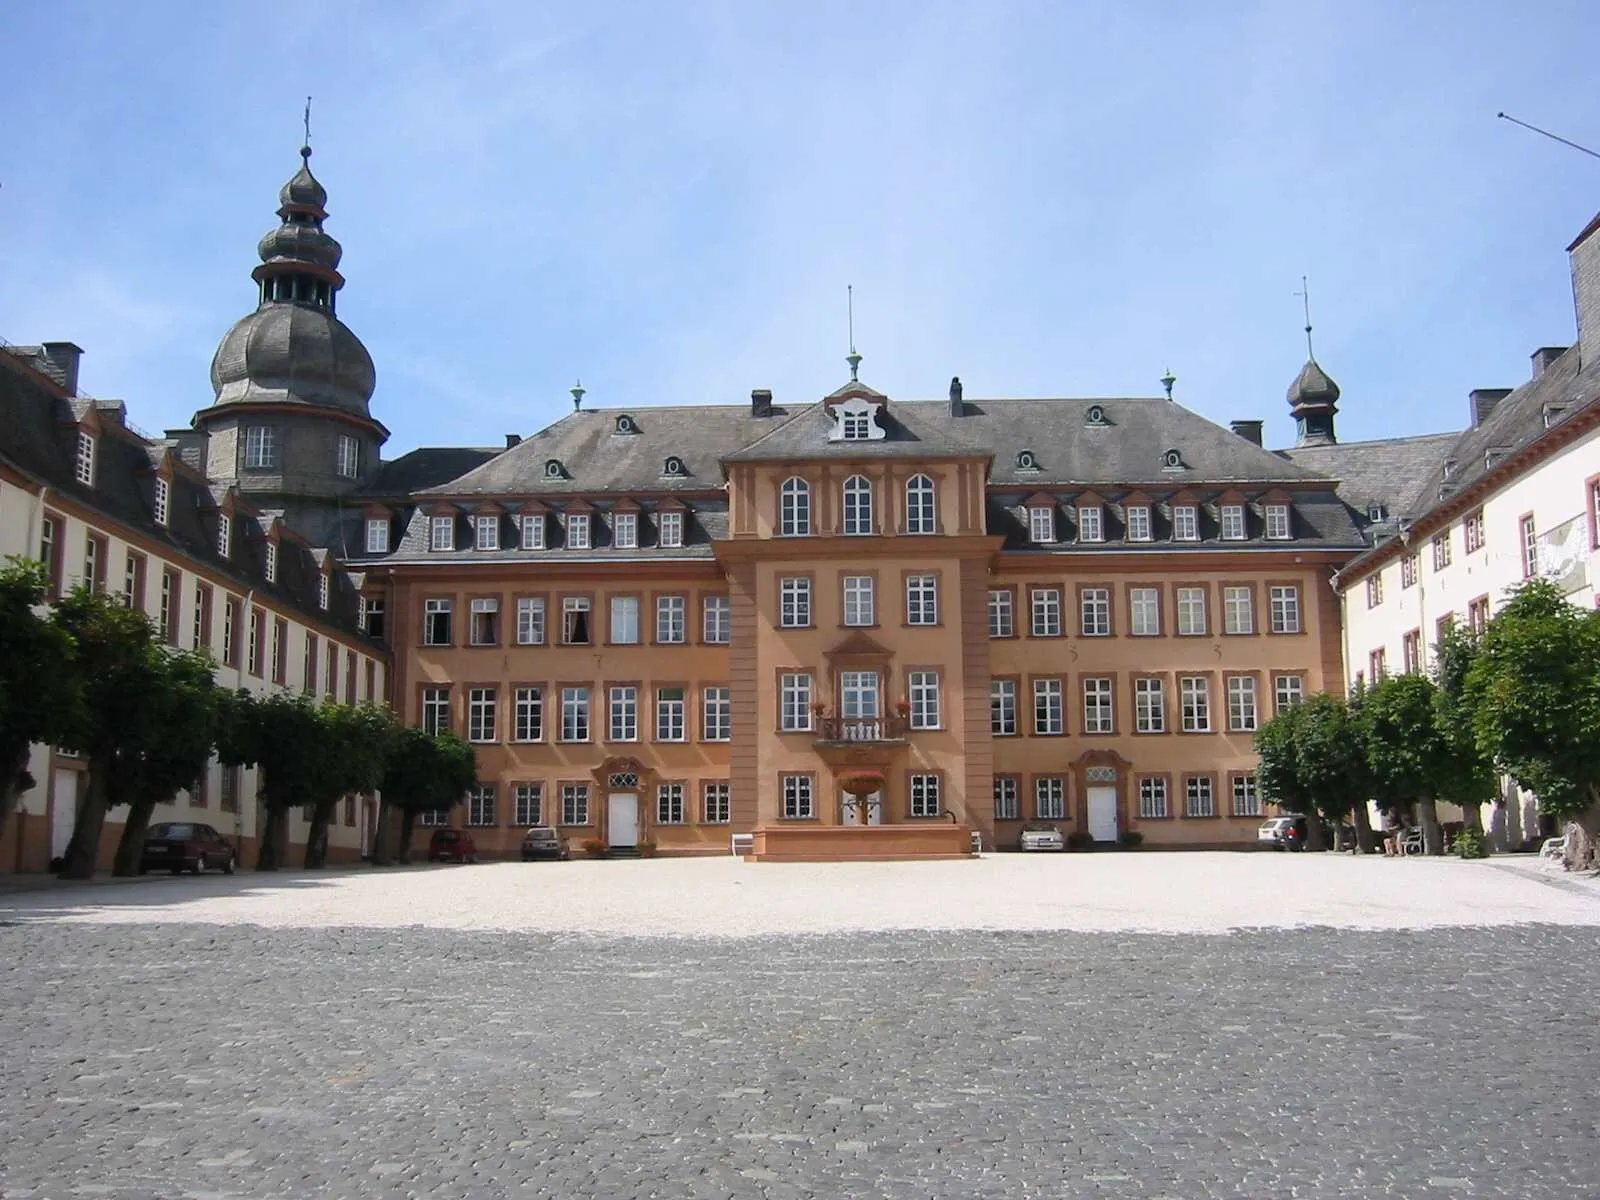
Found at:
[163, 501]
[672, 714]
[922, 690]
[625, 530]
[577, 531]
[794, 602]
[1154, 802]
[348, 463]
[1287, 691]
[1099, 708]
[794, 702]
[1194, 700]
[924, 795]
[324, 588]
[530, 621]
[575, 724]
[798, 795]
[794, 508]
[1285, 608]
[669, 529]
[716, 714]
[1149, 704]
[669, 804]
[527, 800]
[1199, 796]
[260, 447]
[716, 620]
[83, 459]
[922, 515]
[1050, 798]
[922, 599]
[435, 709]
[1408, 570]
[1049, 713]
[1277, 519]
[531, 531]
[575, 804]
[1238, 609]
[481, 805]
[527, 714]
[1191, 607]
[1185, 523]
[860, 695]
[1044, 606]
[672, 620]
[1244, 704]
[860, 601]
[1007, 805]
[1094, 612]
[1003, 708]
[1144, 611]
[1231, 517]
[482, 715]
[622, 713]
[441, 533]
[1138, 522]
[483, 621]
[225, 535]
[377, 535]
[623, 627]
[571, 608]
[1041, 525]
[716, 799]
[1246, 796]
[272, 562]
[858, 506]
[1091, 523]
[1528, 528]
[1002, 613]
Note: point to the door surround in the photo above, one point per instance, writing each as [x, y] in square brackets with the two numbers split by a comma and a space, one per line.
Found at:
[1109, 769]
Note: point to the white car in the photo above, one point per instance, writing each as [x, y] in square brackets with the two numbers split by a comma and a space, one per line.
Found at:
[1042, 837]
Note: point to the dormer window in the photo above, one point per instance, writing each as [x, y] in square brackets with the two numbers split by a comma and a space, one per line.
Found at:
[1026, 461]
[163, 501]
[854, 420]
[322, 590]
[1041, 524]
[625, 424]
[857, 426]
[1278, 521]
[577, 531]
[1138, 522]
[442, 532]
[1232, 522]
[83, 460]
[377, 535]
[1375, 511]
[673, 467]
[224, 534]
[486, 532]
[533, 531]
[1185, 522]
[271, 563]
[553, 469]
[625, 530]
[1553, 413]
[669, 526]
[1091, 528]
[1172, 461]
[1096, 415]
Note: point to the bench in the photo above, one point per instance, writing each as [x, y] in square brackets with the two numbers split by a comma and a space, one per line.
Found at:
[1553, 850]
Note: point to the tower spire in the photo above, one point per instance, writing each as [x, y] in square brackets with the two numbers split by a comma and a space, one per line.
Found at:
[1305, 302]
[852, 358]
[305, 146]
[1313, 396]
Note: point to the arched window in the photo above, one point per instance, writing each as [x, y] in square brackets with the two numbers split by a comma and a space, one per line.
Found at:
[921, 515]
[794, 508]
[858, 505]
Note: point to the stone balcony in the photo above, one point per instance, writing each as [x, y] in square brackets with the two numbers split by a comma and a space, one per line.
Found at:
[859, 731]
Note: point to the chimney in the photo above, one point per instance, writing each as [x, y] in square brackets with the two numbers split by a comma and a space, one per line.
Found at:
[957, 408]
[1585, 256]
[1544, 356]
[1250, 431]
[513, 439]
[1482, 401]
[760, 402]
[61, 364]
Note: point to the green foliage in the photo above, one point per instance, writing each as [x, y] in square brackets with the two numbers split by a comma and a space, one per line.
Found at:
[1311, 759]
[39, 690]
[1533, 690]
[1411, 753]
[1131, 839]
[1078, 840]
[425, 772]
[1470, 843]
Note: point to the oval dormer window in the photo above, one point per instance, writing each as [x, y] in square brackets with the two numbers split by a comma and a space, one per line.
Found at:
[553, 469]
[625, 424]
[1026, 461]
[1172, 460]
[1097, 415]
[673, 466]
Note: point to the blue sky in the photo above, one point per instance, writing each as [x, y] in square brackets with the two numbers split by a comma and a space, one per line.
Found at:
[668, 199]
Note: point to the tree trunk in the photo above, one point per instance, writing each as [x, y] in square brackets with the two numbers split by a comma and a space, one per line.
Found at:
[84, 849]
[1363, 824]
[1428, 818]
[407, 820]
[1316, 832]
[130, 850]
[1583, 833]
[1472, 816]
[380, 854]
[270, 854]
[317, 835]
[14, 780]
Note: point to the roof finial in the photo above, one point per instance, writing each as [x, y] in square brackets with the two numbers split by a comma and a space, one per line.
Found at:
[852, 358]
[1305, 299]
[1167, 381]
[305, 146]
[577, 390]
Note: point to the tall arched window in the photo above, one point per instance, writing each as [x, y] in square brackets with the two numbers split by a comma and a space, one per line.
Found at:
[921, 516]
[794, 508]
[858, 505]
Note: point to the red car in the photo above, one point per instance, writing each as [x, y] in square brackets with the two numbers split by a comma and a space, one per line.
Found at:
[185, 846]
[452, 845]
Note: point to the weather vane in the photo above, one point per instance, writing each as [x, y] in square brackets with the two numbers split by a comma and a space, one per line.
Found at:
[307, 142]
[1305, 301]
[852, 358]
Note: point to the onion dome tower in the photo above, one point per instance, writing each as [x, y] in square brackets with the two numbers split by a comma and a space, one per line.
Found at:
[290, 425]
[1313, 396]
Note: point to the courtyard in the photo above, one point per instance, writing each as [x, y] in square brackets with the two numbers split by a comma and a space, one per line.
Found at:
[1142, 1025]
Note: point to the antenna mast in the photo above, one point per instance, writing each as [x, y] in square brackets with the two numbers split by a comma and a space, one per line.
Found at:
[1305, 302]
[1554, 137]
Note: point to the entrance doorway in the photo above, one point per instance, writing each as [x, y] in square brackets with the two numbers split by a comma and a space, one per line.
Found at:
[854, 808]
[622, 820]
[63, 812]
[1103, 814]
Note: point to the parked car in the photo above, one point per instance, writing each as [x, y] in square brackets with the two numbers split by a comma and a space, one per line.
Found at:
[543, 842]
[1283, 833]
[1042, 837]
[452, 845]
[186, 846]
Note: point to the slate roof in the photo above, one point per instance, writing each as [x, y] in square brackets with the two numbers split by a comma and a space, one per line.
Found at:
[1383, 472]
[426, 467]
[38, 438]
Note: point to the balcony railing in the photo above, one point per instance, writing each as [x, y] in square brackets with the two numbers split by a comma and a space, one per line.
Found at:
[861, 729]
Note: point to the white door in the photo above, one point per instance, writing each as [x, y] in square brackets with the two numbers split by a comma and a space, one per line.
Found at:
[63, 812]
[622, 820]
[852, 809]
[1103, 814]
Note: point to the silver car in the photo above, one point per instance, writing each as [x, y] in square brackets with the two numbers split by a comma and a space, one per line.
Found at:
[1042, 837]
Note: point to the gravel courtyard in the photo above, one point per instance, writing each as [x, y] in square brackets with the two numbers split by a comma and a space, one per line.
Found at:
[1148, 1025]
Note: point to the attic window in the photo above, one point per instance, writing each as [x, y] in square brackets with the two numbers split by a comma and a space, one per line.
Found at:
[1447, 469]
[1026, 461]
[625, 424]
[1096, 415]
[673, 465]
[1553, 413]
[553, 469]
[1172, 461]
[1375, 511]
[1493, 455]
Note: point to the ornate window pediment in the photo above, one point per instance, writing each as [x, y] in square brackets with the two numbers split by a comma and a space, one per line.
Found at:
[855, 419]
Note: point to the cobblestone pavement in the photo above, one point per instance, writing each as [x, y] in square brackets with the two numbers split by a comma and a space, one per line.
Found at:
[174, 1059]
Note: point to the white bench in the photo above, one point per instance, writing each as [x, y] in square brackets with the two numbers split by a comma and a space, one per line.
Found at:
[1553, 850]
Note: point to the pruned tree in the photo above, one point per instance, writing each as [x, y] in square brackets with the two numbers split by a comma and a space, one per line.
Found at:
[424, 773]
[286, 739]
[360, 739]
[1311, 763]
[1534, 692]
[1472, 770]
[39, 688]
